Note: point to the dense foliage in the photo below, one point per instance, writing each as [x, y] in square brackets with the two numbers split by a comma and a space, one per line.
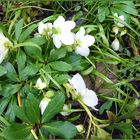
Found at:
[69, 69]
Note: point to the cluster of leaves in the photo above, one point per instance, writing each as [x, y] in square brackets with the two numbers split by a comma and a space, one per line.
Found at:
[35, 56]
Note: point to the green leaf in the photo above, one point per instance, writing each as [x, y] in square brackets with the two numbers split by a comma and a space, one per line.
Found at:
[32, 109]
[76, 61]
[54, 107]
[17, 131]
[102, 13]
[10, 89]
[27, 33]
[60, 66]
[61, 78]
[18, 29]
[30, 70]
[56, 54]
[2, 70]
[102, 134]
[34, 51]
[127, 2]
[105, 106]
[127, 9]
[123, 127]
[11, 72]
[21, 60]
[3, 104]
[62, 129]
[20, 113]
[38, 40]
[9, 113]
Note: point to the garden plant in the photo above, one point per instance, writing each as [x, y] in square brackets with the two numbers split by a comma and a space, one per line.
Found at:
[69, 69]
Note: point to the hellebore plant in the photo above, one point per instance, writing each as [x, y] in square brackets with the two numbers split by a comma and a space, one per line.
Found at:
[83, 42]
[88, 96]
[61, 33]
[60, 30]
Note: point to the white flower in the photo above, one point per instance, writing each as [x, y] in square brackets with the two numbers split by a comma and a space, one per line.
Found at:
[120, 18]
[40, 85]
[80, 128]
[115, 44]
[45, 29]
[83, 42]
[115, 29]
[62, 32]
[43, 104]
[89, 97]
[64, 111]
[5, 44]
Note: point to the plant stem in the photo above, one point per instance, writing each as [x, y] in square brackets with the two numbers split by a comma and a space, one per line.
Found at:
[34, 134]
[19, 99]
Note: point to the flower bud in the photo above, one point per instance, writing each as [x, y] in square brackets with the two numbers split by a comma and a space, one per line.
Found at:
[115, 44]
[118, 23]
[123, 32]
[43, 104]
[115, 29]
[80, 128]
[64, 111]
[49, 94]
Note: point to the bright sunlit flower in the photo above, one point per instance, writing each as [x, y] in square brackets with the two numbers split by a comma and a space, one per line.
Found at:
[40, 85]
[115, 44]
[5, 44]
[43, 104]
[121, 18]
[45, 29]
[83, 42]
[62, 32]
[88, 96]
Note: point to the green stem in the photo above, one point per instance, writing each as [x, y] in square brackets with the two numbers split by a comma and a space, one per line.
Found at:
[17, 15]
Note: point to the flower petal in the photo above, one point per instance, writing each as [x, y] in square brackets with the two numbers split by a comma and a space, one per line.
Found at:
[69, 25]
[65, 108]
[115, 29]
[41, 27]
[56, 41]
[67, 38]
[77, 82]
[89, 97]
[40, 85]
[84, 51]
[121, 18]
[80, 34]
[59, 21]
[88, 40]
[3, 53]
[43, 104]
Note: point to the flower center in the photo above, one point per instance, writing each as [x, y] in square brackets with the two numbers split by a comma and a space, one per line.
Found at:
[77, 43]
[7, 44]
[56, 30]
